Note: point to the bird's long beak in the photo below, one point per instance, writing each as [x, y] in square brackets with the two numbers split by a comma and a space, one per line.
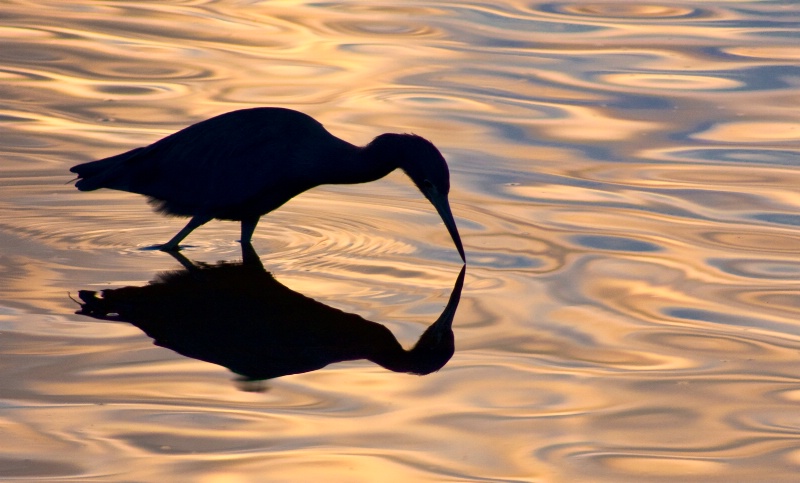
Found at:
[442, 205]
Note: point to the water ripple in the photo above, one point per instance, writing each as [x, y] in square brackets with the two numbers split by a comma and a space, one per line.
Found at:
[624, 177]
[622, 12]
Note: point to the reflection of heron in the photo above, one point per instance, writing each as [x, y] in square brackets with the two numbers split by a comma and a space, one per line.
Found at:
[244, 164]
[238, 316]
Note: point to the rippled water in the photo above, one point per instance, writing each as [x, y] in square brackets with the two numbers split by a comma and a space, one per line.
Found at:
[625, 179]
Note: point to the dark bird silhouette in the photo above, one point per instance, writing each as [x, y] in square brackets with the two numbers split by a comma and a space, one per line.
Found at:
[244, 164]
[238, 316]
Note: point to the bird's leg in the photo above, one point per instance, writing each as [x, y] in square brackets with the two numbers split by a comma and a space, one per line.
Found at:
[248, 227]
[172, 245]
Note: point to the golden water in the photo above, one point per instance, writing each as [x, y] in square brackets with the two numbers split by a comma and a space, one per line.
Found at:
[625, 179]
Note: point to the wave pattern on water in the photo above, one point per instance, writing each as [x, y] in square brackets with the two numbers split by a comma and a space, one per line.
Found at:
[624, 177]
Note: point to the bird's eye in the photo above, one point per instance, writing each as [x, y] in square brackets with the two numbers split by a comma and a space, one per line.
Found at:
[427, 184]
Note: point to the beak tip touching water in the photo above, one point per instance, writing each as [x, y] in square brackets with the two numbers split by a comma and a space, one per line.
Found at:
[442, 206]
[459, 247]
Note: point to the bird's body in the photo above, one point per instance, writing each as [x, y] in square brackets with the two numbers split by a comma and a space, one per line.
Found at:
[244, 164]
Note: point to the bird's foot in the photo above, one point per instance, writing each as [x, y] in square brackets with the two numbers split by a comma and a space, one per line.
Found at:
[164, 248]
[170, 247]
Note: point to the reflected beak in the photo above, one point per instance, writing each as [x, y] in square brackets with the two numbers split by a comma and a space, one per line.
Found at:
[449, 311]
[442, 206]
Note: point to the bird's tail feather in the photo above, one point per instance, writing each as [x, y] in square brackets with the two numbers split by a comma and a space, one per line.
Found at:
[97, 174]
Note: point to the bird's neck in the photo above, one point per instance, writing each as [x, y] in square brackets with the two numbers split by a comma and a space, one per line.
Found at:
[375, 160]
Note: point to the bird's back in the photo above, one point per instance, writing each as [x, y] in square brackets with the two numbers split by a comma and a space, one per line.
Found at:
[242, 163]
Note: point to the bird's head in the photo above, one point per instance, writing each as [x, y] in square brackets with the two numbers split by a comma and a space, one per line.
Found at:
[426, 167]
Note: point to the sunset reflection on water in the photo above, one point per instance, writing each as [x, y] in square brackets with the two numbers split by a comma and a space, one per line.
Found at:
[624, 177]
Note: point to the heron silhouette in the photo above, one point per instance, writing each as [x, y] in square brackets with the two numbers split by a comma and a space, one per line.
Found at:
[246, 163]
[239, 316]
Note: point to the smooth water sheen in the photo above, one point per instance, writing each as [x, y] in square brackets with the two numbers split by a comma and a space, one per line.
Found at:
[625, 180]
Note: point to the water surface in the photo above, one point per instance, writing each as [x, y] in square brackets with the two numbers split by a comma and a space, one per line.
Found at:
[625, 180]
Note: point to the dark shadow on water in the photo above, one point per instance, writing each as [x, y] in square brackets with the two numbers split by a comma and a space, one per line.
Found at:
[235, 314]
